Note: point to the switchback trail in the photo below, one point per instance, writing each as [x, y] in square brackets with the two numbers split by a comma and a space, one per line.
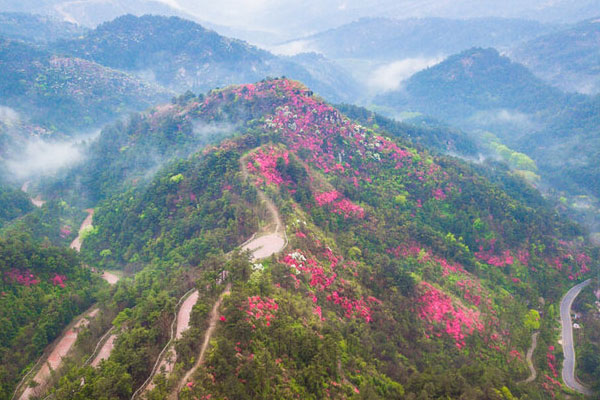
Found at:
[37, 200]
[214, 318]
[568, 371]
[159, 359]
[271, 240]
[65, 342]
[87, 222]
[53, 360]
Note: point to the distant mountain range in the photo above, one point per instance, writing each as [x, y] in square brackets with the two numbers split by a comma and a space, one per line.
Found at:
[65, 93]
[569, 59]
[37, 28]
[182, 55]
[472, 81]
[388, 39]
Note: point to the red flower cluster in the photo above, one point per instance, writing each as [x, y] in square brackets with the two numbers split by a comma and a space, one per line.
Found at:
[65, 231]
[22, 278]
[267, 163]
[342, 207]
[59, 280]
[321, 281]
[489, 256]
[259, 309]
[551, 359]
[437, 309]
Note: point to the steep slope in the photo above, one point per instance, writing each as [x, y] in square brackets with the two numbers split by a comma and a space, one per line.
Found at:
[13, 203]
[68, 93]
[567, 58]
[406, 273]
[183, 55]
[41, 289]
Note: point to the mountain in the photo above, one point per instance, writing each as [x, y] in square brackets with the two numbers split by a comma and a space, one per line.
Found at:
[67, 93]
[398, 260]
[472, 81]
[567, 58]
[479, 90]
[388, 39]
[37, 28]
[183, 55]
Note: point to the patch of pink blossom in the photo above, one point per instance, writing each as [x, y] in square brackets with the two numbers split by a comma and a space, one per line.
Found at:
[441, 315]
[259, 309]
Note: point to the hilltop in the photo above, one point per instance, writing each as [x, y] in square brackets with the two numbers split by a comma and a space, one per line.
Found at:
[405, 272]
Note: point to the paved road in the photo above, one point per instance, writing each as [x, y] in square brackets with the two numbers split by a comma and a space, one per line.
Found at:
[568, 371]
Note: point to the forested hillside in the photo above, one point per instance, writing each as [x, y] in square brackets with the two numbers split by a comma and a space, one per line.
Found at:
[407, 274]
[66, 93]
[41, 290]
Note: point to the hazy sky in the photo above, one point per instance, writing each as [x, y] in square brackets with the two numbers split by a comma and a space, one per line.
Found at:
[310, 15]
[288, 19]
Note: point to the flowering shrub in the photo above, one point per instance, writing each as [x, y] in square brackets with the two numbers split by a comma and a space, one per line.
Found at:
[59, 280]
[342, 207]
[440, 314]
[267, 165]
[322, 281]
[259, 309]
[25, 278]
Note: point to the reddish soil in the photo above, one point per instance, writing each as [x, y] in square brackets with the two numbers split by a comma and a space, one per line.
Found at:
[105, 351]
[60, 350]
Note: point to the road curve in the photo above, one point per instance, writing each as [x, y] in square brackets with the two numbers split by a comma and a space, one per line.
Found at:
[568, 371]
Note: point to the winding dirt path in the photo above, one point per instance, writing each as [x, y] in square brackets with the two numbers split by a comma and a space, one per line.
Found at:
[37, 200]
[272, 241]
[568, 371]
[159, 359]
[105, 351]
[87, 222]
[183, 323]
[60, 349]
[214, 319]
[532, 371]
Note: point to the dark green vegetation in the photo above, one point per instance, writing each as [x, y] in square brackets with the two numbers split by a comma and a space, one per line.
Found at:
[472, 81]
[55, 223]
[183, 55]
[587, 337]
[567, 58]
[41, 290]
[424, 134]
[66, 93]
[408, 275]
[13, 204]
